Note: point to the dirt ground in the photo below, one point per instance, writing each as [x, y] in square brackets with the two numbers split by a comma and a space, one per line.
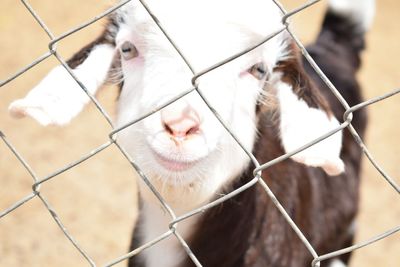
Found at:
[96, 200]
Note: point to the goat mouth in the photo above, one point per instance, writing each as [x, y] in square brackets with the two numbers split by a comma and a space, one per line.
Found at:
[174, 165]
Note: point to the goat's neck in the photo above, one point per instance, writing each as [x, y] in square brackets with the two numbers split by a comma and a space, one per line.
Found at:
[154, 221]
[206, 234]
[223, 234]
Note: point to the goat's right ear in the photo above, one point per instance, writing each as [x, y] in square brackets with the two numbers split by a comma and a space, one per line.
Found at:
[305, 116]
[58, 97]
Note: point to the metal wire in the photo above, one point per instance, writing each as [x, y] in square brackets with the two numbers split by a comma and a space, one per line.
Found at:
[113, 140]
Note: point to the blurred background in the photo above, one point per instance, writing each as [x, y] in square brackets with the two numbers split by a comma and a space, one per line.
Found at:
[97, 199]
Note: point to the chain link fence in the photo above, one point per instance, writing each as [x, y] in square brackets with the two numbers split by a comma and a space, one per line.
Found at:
[175, 220]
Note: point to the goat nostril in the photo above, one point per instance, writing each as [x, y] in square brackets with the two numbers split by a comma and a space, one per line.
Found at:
[168, 129]
[193, 130]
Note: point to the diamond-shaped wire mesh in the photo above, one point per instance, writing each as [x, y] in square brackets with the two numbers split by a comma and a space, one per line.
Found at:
[173, 231]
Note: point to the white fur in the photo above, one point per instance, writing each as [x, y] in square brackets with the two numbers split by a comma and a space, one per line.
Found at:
[360, 11]
[301, 124]
[169, 252]
[337, 263]
[353, 227]
[58, 97]
[202, 32]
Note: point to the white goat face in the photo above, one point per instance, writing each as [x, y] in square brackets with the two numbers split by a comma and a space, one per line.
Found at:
[183, 149]
[184, 145]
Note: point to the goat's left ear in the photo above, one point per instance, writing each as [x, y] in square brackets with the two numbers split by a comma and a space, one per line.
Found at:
[304, 116]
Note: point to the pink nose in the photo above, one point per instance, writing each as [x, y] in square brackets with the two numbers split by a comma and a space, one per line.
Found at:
[180, 120]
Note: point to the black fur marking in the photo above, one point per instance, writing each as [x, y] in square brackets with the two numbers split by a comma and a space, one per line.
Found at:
[107, 37]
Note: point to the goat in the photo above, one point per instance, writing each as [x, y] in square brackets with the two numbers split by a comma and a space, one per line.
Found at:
[272, 101]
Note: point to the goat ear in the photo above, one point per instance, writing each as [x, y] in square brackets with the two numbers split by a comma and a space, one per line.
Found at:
[58, 97]
[304, 116]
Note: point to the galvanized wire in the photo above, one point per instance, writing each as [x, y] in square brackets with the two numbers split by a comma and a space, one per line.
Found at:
[113, 140]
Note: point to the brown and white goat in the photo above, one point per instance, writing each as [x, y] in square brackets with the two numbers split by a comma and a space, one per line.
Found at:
[272, 101]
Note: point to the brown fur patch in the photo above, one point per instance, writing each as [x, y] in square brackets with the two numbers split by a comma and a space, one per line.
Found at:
[294, 75]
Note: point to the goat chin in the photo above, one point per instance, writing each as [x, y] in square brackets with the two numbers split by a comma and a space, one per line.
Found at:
[186, 173]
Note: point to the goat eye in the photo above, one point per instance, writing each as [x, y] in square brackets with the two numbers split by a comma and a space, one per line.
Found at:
[128, 50]
[259, 71]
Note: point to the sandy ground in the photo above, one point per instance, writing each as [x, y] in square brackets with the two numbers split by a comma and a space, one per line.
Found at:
[96, 200]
